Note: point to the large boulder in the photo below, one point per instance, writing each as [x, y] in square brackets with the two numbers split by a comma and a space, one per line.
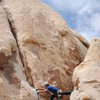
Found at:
[86, 76]
[49, 50]
[12, 76]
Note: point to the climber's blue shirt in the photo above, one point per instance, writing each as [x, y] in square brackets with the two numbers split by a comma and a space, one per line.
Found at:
[52, 89]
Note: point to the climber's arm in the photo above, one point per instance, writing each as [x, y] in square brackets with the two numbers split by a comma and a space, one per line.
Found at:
[42, 90]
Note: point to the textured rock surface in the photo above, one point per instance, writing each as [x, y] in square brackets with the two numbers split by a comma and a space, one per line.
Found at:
[49, 50]
[86, 76]
[12, 78]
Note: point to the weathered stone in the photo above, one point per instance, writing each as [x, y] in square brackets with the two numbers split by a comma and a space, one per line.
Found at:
[48, 47]
[86, 76]
[7, 42]
[11, 68]
[36, 43]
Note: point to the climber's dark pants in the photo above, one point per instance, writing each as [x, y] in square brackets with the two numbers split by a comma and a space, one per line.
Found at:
[56, 96]
[53, 96]
[65, 93]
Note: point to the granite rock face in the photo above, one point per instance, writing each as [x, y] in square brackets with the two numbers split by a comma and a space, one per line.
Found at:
[86, 76]
[36, 46]
[13, 83]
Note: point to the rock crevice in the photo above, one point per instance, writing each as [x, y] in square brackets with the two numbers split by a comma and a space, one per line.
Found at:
[45, 48]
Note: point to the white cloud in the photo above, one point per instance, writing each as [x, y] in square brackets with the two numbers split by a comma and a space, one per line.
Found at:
[95, 22]
[88, 20]
[85, 14]
[89, 27]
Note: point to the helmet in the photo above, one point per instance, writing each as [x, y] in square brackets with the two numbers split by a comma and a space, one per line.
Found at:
[46, 84]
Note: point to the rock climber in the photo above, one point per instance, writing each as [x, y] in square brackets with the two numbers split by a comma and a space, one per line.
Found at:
[55, 92]
[50, 89]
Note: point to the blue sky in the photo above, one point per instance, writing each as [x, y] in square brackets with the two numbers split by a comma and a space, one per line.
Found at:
[81, 15]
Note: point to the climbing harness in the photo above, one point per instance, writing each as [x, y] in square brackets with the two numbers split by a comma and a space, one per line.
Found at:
[59, 94]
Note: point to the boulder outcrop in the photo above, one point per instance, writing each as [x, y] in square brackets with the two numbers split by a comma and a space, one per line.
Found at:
[37, 46]
[86, 76]
[13, 84]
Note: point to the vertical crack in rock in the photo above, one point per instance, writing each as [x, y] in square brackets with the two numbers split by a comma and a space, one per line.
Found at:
[14, 34]
[32, 27]
[13, 30]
